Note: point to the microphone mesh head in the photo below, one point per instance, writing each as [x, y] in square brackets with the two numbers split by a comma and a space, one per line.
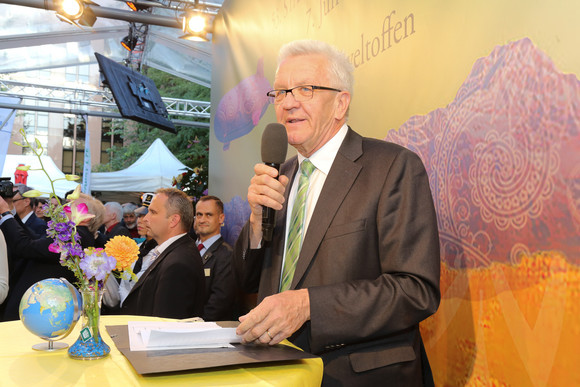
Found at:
[274, 144]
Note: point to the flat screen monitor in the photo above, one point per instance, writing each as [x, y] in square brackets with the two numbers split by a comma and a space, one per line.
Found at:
[135, 94]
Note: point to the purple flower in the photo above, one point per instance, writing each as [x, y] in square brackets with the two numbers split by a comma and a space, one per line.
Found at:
[61, 227]
[96, 264]
[76, 250]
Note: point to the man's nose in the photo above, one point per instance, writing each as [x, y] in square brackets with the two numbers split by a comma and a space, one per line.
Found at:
[289, 101]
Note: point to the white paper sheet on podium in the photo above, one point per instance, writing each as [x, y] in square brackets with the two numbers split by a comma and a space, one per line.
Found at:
[155, 336]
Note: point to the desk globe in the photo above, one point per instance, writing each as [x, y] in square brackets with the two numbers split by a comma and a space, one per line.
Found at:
[50, 309]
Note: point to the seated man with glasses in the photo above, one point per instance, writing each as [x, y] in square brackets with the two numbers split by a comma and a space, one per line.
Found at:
[353, 264]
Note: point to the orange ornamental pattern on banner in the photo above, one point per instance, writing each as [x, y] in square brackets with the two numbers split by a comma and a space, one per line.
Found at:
[394, 30]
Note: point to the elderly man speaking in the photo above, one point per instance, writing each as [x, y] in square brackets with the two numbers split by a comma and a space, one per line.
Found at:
[353, 264]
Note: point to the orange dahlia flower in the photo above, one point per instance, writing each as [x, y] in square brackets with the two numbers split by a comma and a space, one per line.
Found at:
[124, 249]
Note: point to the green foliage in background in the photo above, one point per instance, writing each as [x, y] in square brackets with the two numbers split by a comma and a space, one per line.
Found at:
[190, 145]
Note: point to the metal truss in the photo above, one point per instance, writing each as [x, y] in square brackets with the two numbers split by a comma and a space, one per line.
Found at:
[86, 101]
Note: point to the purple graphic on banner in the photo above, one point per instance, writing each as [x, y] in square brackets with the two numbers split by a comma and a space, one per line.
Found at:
[504, 160]
[241, 108]
[237, 213]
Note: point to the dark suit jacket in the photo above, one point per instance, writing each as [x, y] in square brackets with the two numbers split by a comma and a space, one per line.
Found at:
[173, 286]
[118, 229]
[37, 226]
[220, 285]
[370, 261]
[34, 262]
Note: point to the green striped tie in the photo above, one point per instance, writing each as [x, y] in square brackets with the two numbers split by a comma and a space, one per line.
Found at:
[296, 233]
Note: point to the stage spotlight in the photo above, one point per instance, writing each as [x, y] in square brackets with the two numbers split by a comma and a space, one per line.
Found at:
[136, 6]
[76, 12]
[70, 10]
[195, 25]
[131, 5]
[129, 42]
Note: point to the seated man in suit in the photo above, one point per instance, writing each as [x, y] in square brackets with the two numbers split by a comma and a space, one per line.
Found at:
[216, 255]
[173, 285]
[353, 264]
[25, 210]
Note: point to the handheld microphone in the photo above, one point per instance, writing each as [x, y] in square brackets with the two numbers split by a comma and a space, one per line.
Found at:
[274, 148]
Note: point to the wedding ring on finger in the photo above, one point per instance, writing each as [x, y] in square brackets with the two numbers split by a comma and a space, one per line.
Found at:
[269, 335]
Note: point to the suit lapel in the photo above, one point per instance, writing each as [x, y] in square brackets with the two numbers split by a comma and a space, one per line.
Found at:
[209, 252]
[339, 181]
[155, 263]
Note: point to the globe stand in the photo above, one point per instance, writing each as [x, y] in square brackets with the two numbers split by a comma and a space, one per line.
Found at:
[50, 346]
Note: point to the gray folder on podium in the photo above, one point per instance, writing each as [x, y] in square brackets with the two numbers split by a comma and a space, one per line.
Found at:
[161, 361]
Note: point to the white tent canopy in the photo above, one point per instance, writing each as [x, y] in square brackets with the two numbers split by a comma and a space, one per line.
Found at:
[37, 179]
[153, 170]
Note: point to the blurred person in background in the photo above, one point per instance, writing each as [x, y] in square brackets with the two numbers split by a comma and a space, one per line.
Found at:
[130, 219]
[34, 261]
[39, 208]
[3, 269]
[113, 225]
[117, 291]
[25, 210]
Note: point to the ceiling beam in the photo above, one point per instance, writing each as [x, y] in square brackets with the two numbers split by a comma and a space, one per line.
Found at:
[31, 40]
[107, 13]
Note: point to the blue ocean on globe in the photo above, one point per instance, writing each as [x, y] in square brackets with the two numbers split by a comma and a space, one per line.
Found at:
[50, 308]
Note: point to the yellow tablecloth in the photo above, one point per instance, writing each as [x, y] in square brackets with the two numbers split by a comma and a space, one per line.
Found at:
[20, 365]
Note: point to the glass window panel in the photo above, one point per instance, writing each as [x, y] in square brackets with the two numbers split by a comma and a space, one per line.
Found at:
[42, 121]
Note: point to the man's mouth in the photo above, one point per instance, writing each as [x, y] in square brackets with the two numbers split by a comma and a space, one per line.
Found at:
[294, 120]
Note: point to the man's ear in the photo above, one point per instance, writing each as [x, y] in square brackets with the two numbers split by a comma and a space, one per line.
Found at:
[174, 220]
[342, 104]
[222, 218]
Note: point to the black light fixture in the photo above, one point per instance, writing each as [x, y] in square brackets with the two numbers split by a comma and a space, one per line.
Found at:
[76, 12]
[129, 42]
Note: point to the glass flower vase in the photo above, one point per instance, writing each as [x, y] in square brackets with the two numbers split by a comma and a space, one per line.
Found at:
[90, 345]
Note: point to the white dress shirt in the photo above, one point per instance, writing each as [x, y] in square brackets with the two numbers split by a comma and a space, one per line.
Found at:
[322, 159]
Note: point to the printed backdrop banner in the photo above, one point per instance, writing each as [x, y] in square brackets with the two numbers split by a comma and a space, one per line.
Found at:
[487, 94]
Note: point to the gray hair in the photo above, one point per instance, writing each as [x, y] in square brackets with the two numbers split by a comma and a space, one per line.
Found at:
[22, 188]
[115, 208]
[129, 208]
[340, 69]
[178, 203]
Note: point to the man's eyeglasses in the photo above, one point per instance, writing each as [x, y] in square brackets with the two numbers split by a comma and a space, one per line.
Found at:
[300, 93]
[17, 200]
